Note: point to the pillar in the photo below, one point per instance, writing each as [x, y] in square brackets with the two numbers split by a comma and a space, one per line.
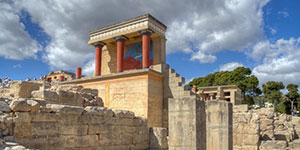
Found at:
[61, 78]
[78, 73]
[211, 96]
[219, 125]
[146, 36]
[120, 52]
[98, 56]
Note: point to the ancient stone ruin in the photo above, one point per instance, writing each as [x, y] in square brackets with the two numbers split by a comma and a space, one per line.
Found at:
[134, 101]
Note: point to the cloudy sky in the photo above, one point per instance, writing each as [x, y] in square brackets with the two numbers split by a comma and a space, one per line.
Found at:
[204, 36]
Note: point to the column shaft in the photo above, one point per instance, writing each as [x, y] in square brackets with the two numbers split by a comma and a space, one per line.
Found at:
[78, 73]
[120, 54]
[146, 49]
[98, 55]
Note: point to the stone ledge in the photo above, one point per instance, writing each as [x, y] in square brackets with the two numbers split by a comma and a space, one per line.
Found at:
[115, 76]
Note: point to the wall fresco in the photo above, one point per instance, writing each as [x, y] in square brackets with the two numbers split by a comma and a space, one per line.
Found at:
[133, 56]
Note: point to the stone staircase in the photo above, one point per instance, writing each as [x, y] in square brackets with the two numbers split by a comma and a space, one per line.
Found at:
[173, 88]
[175, 85]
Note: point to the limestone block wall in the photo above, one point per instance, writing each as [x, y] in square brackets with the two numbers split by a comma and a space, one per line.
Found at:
[246, 129]
[200, 125]
[140, 91]
[218, 125]
[187, 124]
[158, 138]
[73, 127]
[19, 89]
[264, 129]
[39, 124]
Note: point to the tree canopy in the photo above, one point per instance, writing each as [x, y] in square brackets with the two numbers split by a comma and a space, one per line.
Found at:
[240, 77]
[271, 90]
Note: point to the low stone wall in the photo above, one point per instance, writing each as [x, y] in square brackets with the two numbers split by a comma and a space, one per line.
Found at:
[72, 127]
[195, 124]
[264, 129]
[19, 89]
[246, 130]
[218, 125]
[44, 123]
[187, 125]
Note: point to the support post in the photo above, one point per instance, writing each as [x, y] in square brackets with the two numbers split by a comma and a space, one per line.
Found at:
[98, 56]
[78, 73]
[146, 36]
[120, 52]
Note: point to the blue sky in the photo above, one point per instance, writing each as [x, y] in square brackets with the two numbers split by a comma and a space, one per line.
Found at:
[209, 36]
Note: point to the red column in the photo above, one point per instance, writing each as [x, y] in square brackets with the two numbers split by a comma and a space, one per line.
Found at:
[120, 54]
[211, 95]
[78, 73]
[61, 78]
[98, 54]
[146, 36]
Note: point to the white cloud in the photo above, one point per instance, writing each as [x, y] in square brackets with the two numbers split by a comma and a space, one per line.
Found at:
[200, 28]
[15, 42]
[273, 31]
[17, 66]
[281, 61]
[203, 58]
[283, 13]
[89, 68]
[230, 66]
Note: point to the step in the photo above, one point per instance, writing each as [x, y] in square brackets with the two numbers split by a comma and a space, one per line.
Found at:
[171, 70]
[176, 80]
[173, 75]
[181, 94]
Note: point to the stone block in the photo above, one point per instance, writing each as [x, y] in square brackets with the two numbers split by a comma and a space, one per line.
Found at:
[43, 117]
[295, 145]
[123, 114]
[4, 107]
[240, 108]
[67, 119]
[79, 141]
[20, 105]
[66, 109]
[46, 129]
[73, 129]
[219, 125]
[22, 117]
[273, 145]
[187, 124]
[96, 110]
[158, 138]
[21, 89]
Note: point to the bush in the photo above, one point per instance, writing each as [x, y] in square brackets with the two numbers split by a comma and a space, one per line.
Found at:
[284, 107]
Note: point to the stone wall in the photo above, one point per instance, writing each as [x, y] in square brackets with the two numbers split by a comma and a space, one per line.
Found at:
[37, 123]
[200, 125]
[140, 91]
[187, 124]
[218, 125]
[264, 129]
[246, 130]
[19, 89]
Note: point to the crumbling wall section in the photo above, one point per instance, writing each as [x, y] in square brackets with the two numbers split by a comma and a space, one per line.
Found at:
[47, 124]
[264, 129]
[246, 128]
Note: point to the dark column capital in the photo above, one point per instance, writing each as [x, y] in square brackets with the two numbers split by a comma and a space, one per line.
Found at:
[146, 32]
[120, 38]
[99, 44]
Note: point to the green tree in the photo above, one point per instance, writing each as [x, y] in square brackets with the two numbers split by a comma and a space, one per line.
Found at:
[272, 92]
[240, 77]
[292, 95]
[283, 107]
